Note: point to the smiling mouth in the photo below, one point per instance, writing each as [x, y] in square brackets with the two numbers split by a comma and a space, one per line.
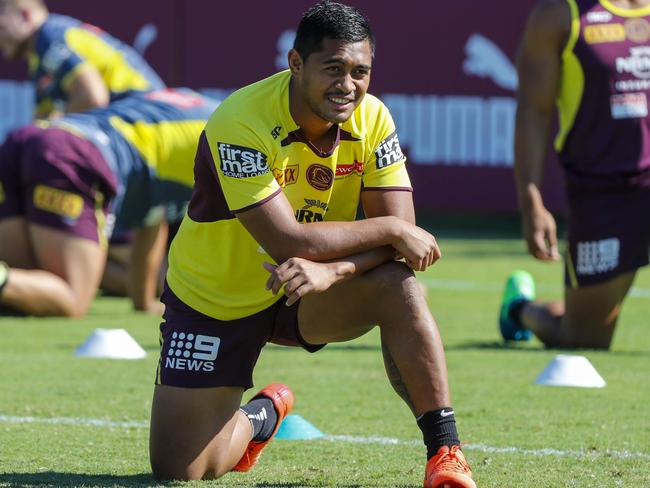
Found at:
[340, 101]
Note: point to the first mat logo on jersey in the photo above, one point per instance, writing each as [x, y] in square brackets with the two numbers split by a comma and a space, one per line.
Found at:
[241, 162]
[389, 152]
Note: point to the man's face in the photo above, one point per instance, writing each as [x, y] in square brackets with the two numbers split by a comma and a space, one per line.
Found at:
[14, 32]
[333, 81]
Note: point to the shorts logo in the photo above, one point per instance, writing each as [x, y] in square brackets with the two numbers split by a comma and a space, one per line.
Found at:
[58, 201]
[389, 151]
[189, 353]
[286, 176]
[320, 177]
[597, 34]
[343, 170]
[637, 29]
[241, 162]
[596, 257]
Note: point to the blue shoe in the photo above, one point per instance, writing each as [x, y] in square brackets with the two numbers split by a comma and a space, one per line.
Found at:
[520, 286]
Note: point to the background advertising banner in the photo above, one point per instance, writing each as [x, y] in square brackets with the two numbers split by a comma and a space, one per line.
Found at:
[445, 69]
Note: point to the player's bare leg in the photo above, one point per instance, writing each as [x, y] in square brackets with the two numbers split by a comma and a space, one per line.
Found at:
[196, 433]
[391, 297]
[586, 319]
[15, 244]
[115, 277]
[68, 274]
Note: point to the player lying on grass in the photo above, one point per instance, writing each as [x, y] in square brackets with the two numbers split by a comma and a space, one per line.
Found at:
[74, 66]
[592, 71]
[270, 251]
[65, 184]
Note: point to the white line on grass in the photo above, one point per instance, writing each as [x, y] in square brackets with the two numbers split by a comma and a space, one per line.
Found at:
[493, 287]
[350, 439]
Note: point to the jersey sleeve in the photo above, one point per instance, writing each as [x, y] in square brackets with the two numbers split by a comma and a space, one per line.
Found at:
[385, 167]
[60, 61]
[242, 163]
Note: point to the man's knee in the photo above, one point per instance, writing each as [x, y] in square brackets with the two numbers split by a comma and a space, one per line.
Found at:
[392, 276]
[393, 284]
[167, 471]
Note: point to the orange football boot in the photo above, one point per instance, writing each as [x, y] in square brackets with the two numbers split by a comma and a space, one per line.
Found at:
[282, 398]
[448, 469]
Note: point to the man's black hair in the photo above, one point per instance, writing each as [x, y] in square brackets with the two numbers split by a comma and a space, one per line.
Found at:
[333, 20]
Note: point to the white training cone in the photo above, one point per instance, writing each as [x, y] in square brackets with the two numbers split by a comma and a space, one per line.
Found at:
[567, 370]
[110, 344]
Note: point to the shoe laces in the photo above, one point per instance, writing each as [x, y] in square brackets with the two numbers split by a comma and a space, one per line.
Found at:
[452, 460]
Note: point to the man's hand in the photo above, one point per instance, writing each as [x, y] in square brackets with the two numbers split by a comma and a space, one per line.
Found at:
[300, 277]
[540, 233]
[418, 247]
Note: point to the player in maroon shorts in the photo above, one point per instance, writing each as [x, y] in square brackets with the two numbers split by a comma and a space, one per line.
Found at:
[270, 250]
[589, 57]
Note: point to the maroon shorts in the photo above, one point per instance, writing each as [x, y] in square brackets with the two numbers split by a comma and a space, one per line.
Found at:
[608, 235]
[197, 351]
[56, 179]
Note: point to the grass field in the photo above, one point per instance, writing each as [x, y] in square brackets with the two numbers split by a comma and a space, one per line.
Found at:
[66, 421]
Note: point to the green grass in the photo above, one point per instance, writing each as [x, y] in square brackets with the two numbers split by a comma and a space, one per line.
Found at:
[343, 391]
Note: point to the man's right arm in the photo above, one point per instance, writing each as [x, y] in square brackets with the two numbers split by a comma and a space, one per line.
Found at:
[539, 68]
[275, 228]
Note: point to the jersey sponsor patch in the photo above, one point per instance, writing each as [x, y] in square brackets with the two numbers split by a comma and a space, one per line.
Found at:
[637, 29]
[629, 106]
[599, 16]
[389, 151]
[241, 161]
[594, 257]
[320, 177]
[597, 34]
[308, 216]
[286, 176]
[637, 63]
[58, 201]
[343, 170]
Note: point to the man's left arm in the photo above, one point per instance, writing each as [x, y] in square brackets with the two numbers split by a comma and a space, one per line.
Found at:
[300, 276]
[86, 89]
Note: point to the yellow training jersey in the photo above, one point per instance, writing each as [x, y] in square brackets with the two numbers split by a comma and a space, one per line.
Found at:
[251, 149]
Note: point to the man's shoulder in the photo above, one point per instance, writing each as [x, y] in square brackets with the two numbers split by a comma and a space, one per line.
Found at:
[56, 25]
[253, 109]
[551, 15]
[256, 99]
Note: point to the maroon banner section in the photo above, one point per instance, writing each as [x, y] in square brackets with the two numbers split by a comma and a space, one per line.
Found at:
[445, 69]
